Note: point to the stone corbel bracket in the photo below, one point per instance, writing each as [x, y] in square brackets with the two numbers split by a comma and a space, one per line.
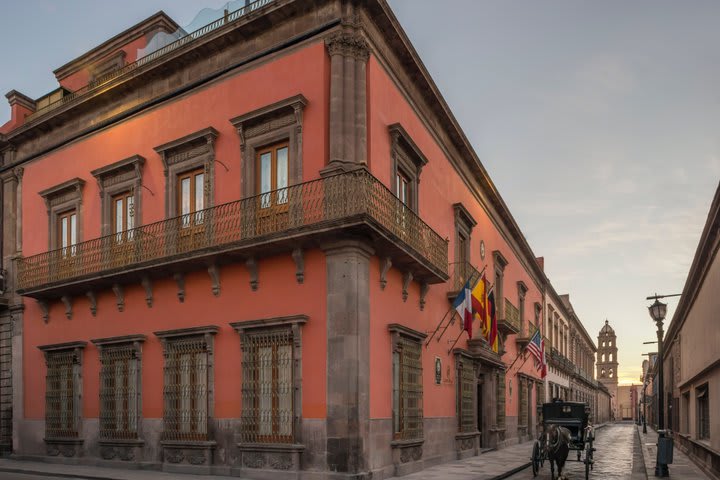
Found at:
[45, 309]
[147, 285]
[119, 296]
[214, 272]
[407, 278]
[67, 301]
[297, 255]
[385, 265]
[252, 267]
[424, 289]
[180, 280]
[93, 302]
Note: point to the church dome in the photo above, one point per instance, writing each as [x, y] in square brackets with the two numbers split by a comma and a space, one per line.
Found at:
[607, 329]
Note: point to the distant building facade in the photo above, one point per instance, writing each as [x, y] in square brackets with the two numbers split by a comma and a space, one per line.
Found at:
[691, 354]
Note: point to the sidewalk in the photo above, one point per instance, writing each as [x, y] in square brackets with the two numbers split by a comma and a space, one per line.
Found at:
[492, 465]
[54, 470]
[682, 466]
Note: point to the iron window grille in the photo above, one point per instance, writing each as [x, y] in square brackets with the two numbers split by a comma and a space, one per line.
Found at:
[465, 387]
[120, 385]
[407, 391]
[63, 390]
[267, 387]
[185, 391]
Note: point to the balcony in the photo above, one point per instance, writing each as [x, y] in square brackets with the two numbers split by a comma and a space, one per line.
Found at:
[302, 216]
[523, 340]
[510, 323]
[460, 273]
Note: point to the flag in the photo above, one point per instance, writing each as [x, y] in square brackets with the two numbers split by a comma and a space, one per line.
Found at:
[535, 346]
[463, 306]
[479, 305]
[491, 317]
[543, 363]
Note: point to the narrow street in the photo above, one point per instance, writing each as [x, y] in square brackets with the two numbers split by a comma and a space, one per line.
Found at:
[617, 457]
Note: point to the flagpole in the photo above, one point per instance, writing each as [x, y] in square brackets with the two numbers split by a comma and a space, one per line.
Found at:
[456, 340]
[438, 327]
[450, 322]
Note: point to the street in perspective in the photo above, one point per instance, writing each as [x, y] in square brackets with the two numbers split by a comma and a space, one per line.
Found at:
[360, 239]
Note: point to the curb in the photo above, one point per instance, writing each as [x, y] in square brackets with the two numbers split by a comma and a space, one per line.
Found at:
[42, 473]
[511, 472]
[642, 450]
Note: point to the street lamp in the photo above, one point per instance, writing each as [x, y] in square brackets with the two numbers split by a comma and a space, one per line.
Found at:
[657, 313]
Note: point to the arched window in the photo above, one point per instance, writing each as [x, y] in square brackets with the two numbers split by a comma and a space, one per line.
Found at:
[610, 373]
[602, 373]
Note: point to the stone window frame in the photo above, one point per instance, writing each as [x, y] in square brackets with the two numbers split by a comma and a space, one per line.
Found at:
[295, 323]
[133, 342]
[208, 333]
[522, 290]
[464, 224]
[62, 198]
[462, 362]
[406, 158]
[398, 333]
[76, 348]
[122, 176]
[499, 263]
[193, 151]
[275, 123]
[702, 401]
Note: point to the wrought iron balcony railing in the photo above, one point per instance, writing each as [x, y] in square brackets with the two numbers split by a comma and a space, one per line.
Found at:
[460, 273]
[102, 80]
[348, 200]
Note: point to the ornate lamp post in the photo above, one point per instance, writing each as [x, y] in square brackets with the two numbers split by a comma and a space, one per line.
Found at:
[657, 312]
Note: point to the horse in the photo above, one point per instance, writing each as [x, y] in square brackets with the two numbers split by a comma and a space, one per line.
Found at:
[557, 444]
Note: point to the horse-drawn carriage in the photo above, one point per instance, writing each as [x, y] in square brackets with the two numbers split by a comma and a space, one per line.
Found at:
[565, 428]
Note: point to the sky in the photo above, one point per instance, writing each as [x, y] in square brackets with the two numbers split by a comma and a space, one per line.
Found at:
[599, 123]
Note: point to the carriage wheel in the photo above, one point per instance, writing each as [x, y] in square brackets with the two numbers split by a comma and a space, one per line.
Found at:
[536, 460]
[588, 459]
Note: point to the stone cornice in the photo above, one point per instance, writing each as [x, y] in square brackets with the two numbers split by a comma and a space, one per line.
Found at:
[14, 97]
[209, 134]
[158, 21]
[72, 184]
[705, 254]
[399, 135]
[388, 25]
[270, 322]
[136, 162]
[348, 44]
[406, 331]
[118, 340]
[186, 332]
[62, 346]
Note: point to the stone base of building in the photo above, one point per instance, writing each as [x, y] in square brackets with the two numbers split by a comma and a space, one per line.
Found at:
[702, 455]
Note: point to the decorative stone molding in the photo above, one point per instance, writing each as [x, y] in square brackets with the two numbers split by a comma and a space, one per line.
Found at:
[349, 53]
[273, 458]
[114, 179]
[196, 150]
[58, 199]
[196, 454]
[278, 122]
[348, 44]
[297, 255]
[408, 160]
[45, 309]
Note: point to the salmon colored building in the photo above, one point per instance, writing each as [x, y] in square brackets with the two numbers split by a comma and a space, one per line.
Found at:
[230, 256]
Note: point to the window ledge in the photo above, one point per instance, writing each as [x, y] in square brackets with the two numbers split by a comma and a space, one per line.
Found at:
[189, 443]
[463, 435]
[122, 442]
[416, 442]
[64, 440]
[271, 447]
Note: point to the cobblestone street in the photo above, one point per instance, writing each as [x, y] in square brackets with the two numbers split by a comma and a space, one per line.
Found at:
[617, 457]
